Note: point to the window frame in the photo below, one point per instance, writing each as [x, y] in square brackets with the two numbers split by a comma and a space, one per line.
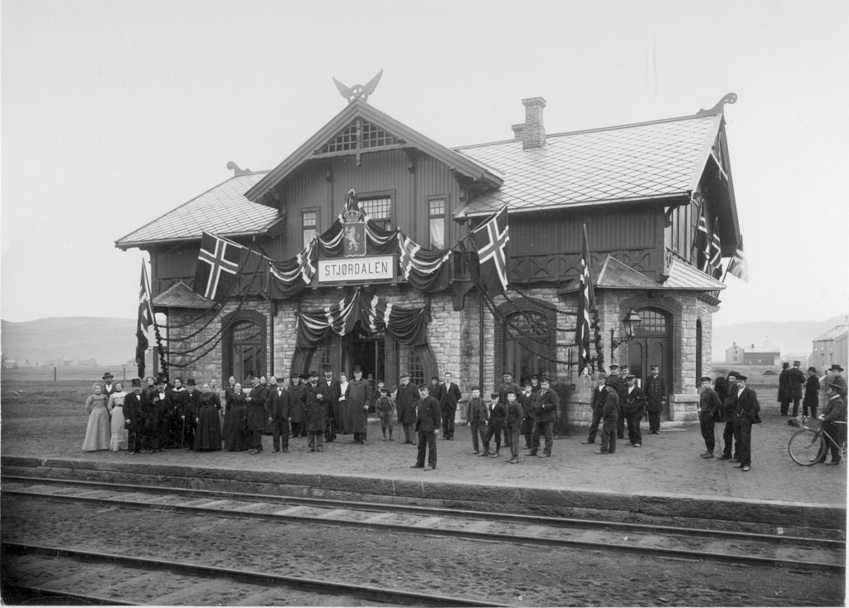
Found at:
[317, 226]
[444, 217]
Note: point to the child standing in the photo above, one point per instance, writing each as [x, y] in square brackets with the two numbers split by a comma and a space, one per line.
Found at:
[514, 424]
[476, 417]
[385, 408]
[497, 414]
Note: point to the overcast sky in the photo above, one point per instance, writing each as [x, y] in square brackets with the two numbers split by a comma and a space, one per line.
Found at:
[115, 112]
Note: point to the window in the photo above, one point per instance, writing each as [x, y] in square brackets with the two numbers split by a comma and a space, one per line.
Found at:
[653, 323]
[526, 344]
[379, 210]
[246, 351]
[410, 361]
[436, 222]
[310, 225]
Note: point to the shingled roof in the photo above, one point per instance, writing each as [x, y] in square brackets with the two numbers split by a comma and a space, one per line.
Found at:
[614, 274]
[652, 160]
[222, 210]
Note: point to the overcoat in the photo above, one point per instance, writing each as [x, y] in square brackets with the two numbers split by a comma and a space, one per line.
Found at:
[407, 400]
[656, 393]
[316, 408]
[256, 408]
[429, 417]
[358, 398]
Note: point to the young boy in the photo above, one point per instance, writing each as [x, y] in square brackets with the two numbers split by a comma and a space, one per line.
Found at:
[385, 408]
[497, 414]
[526, 399]
[514, 424]
[477, 416]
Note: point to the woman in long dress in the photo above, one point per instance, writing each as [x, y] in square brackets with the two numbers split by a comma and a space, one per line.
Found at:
[236, 436]
[208, 432]
[115, 405]
[97, 432]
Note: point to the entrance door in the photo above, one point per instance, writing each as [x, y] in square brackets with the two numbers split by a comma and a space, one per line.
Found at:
[367, 351]
[246, 356]
[652, 345]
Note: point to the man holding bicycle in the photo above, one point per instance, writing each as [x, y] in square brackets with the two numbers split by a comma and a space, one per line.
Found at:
[835, 411]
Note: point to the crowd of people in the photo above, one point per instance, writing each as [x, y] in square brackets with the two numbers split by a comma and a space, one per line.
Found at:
[167, 415]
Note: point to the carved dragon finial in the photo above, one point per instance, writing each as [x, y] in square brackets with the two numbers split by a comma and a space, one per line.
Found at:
[236, 171]
[358, 91]
[729, 98]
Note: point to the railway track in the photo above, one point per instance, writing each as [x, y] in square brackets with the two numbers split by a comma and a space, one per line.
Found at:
[766, 550]
[76, 576]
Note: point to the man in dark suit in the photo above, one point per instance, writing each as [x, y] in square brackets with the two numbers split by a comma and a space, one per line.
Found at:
[427, 426]
[189, 406]
[656, 397]
[633, 402]
[280, 412]
[726, 415]
[545, 411]
[316, 402]
[795, 380]
[450, 396]
[332, 389]
[107, 388]
[133, 419]
[784, 388]
[835, 411]
[407, 399]
[745, 415]
[257, 413]
[610, 415]
[710, 410]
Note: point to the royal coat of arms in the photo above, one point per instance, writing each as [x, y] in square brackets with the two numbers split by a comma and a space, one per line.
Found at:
[354, 234]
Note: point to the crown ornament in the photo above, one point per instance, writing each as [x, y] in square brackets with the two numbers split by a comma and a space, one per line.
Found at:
[352, 215]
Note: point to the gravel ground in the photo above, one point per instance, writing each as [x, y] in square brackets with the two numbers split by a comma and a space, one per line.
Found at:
[514, 574]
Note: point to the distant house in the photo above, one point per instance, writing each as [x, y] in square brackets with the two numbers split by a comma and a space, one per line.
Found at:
[831, 347]
[9, 364]
[734, 354]
[762, 356]
[87, 363]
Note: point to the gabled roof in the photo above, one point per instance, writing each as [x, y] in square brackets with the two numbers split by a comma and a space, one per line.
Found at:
[223, 211]
[614, 274]
[656, 160]
[180, 295]
[832, 334]
[463, 164]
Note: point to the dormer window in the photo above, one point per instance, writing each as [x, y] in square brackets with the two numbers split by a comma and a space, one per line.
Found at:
[358, 136]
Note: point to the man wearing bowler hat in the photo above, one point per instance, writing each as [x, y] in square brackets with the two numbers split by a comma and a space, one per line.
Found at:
[107, 388]
[407, 399]
[835, 412]
[795, 380]
[835, 379]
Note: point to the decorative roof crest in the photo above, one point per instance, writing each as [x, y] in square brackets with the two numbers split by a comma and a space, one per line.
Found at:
[358, 91]
[729, 98]
[236, 171]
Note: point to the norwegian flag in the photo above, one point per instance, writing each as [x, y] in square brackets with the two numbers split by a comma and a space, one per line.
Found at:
[586, 303]
[490, 240]
[739, 266]
[701, 243]
[145, 320]
[715, 262]
[218, 264]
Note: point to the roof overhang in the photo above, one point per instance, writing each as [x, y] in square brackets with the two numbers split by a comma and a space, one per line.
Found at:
[457, 162]
[180, 295]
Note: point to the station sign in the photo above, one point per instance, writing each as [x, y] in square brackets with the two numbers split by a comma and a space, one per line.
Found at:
[357, 270]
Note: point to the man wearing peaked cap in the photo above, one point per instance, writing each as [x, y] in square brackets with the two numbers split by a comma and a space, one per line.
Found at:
[657, 395]
[746, 414]
[428, 422]
[710, 407]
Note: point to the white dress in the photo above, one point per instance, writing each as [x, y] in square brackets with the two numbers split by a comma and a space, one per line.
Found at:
[119, 430]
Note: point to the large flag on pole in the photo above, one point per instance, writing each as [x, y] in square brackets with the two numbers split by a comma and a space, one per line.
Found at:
[218, 265]
[739, 266]
[145, 319]
[701, 243]
[715, 251]
[490, 239]
[586, 303]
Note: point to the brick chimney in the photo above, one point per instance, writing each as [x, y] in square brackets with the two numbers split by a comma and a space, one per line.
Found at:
[533, 133]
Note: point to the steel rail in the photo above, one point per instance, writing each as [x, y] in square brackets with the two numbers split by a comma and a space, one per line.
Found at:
[558, 522]
[333, 588]
[28, 594]
[407, 528]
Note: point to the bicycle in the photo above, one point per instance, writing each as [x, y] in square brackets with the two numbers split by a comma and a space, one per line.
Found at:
[808, 446]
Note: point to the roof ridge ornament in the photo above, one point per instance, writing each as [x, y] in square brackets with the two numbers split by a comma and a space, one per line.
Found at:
[728, 98]
[358, 91]
[231, 166]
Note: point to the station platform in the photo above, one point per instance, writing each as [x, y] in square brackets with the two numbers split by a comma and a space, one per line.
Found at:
[664, 478]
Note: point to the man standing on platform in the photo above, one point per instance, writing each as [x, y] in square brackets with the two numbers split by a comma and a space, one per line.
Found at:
[450, 396]
[544, 414]
[514, 424]
[610, 414]
[299, 404]
[795, 380]
[598, 397]
[132, 418]
[427, 426]
[477, 417]
[633, 404]
[407, 399]
[358, 398]
[279, 414]
[527, 400]
[784, 388]
[257, 413]
[745, 415]
[316, 401]
[656, 398]
[188, 412]
[710, 410]
[729, 404]
[835, 411]
[332, 389]
[621, 388]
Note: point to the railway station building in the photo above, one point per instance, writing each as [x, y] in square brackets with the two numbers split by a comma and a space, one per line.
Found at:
[405, 298]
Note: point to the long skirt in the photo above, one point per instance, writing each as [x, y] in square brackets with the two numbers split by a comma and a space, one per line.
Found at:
[119, 432]
[208, 432]
[236, 435]
[97, 432]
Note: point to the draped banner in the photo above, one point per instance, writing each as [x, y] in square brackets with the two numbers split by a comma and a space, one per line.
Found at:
[406, 325]
[424, 269]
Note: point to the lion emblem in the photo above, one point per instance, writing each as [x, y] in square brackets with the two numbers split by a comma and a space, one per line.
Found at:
[353, 238]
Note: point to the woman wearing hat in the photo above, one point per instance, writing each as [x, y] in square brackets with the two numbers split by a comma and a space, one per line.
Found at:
[115, 405]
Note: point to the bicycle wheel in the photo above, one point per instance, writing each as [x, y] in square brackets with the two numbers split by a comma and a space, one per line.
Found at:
[806, 447]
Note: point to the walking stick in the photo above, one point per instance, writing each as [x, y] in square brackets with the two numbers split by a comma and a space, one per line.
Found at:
[183, 433]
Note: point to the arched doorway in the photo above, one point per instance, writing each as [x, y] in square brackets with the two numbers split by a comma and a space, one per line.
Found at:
[652, 345]
[526, 347]
[244, 350]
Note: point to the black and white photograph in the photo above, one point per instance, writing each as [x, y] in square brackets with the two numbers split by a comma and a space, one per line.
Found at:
[444, 303]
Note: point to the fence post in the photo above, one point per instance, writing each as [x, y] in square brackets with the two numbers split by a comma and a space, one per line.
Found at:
[54, 373]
